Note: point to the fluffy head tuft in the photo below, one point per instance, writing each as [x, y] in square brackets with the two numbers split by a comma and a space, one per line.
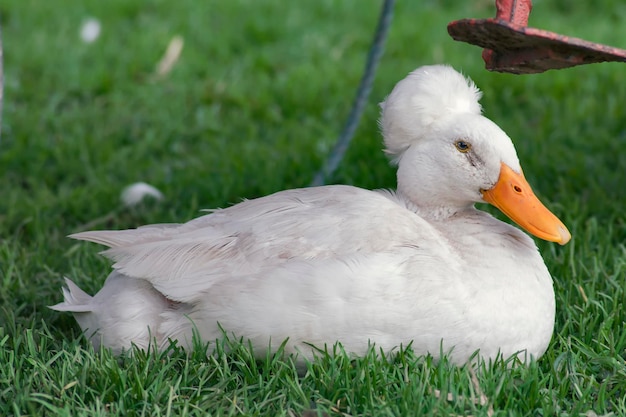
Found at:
[428, 95]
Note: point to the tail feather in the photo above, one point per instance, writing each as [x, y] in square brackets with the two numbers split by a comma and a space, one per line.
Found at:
[125, 311]
[74, 299]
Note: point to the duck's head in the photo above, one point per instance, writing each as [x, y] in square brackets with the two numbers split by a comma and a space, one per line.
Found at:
[450, 156]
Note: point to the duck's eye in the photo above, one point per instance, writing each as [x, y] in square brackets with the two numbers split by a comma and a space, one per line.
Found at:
[462, 146]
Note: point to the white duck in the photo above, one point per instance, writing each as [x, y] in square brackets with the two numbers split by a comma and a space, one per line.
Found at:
[340, 263]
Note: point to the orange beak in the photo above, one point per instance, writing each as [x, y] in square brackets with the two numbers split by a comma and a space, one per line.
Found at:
[514, 197]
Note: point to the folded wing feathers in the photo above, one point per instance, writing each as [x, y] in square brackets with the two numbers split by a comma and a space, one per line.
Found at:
[183, 260]
[122, 238]
[149, 260]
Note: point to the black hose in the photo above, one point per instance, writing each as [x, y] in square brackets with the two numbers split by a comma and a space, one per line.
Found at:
[365, 87]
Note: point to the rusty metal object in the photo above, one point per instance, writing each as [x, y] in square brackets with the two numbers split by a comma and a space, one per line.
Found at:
[511, 46]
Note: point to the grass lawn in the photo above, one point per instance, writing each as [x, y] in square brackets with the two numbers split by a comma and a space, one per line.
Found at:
[257, 99]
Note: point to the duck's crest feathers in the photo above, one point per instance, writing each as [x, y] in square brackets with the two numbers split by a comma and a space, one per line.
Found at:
[426, 96]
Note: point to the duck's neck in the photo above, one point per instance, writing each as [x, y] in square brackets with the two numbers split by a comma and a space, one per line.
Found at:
[437, 212]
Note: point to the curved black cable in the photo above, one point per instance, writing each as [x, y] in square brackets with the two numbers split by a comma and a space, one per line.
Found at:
[365, 87]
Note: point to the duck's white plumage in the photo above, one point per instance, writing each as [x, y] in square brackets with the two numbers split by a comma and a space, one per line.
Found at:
[340, 263]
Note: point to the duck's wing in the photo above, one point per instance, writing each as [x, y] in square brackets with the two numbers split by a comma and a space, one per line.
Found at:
[255, 237]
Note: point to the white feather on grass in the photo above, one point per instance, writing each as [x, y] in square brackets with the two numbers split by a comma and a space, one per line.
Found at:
[135, 193]
[90, 30]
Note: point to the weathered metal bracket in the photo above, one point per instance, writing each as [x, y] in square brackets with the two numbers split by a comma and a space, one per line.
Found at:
[511, 46]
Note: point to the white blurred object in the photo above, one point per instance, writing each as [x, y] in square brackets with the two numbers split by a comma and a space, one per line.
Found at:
[135, 193]
[90, 30]
[174, 48]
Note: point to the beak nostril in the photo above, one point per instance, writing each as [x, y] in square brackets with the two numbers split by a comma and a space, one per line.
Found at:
[517, 188]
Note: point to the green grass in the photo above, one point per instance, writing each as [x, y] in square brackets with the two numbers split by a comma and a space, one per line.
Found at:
[257, 99]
